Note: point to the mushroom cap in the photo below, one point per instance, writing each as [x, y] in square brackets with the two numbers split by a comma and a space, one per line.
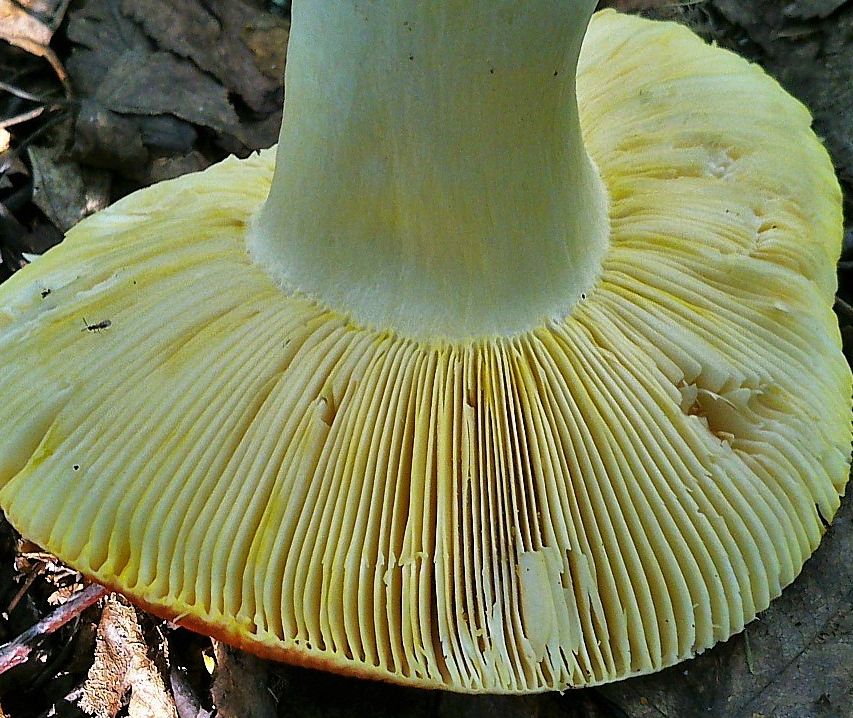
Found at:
[600, 497]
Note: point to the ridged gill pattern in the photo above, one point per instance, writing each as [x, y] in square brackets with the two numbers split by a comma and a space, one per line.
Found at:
[597, 498]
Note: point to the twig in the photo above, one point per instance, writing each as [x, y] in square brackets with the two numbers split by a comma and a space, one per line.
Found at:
[23, 117]
[23, 94]
[18, 651]
[33, 575]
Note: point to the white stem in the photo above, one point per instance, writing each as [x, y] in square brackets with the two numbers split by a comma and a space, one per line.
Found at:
[431, 178]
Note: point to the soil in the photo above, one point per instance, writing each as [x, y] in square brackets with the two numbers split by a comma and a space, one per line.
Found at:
[101, 97]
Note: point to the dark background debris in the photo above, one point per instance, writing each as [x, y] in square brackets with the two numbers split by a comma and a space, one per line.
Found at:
[101, 97]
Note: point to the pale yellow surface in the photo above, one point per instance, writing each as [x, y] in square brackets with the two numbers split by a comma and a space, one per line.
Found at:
[600, 497]
[432, 175]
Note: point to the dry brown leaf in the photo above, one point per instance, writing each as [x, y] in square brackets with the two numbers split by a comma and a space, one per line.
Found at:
[99, 35]
[240, 685]
[164, 168]
[177, 73]
[142, 82]
[187, 703]
[24, 29]
[807, 9]
[106, 139]
[50, 11]
[211, 35]
[122, 665]
[63, 190]
[267, 39]
[19, 26]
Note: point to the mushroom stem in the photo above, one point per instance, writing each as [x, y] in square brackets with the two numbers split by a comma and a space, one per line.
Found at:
[431, 175]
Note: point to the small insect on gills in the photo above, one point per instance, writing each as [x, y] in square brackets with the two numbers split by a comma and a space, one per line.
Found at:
[97, 327]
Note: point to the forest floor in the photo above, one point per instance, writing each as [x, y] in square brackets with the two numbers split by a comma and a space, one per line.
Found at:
[101, 97]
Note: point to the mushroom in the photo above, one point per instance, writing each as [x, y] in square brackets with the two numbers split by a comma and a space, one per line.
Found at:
[513, 369]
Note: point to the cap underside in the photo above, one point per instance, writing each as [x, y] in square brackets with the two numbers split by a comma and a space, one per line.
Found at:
[594, 499]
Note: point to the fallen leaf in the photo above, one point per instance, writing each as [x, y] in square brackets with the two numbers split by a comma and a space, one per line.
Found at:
[152, 83]
[168, 77]
[99, 35]
[807, 9]
[106, 139]
[22, 28]
[164, 168]
[267, 38]
[240, 685]
[186, 702]
[51, 12]
[211, 35]
[63, 190]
